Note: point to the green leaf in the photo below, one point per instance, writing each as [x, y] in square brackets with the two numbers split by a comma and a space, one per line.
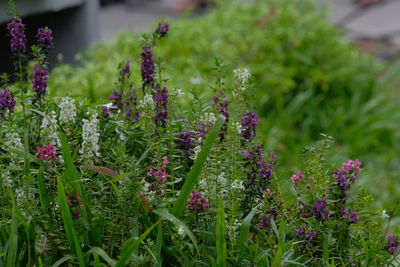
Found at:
[180, 203]
[62, 260]
[164, 214]
[220, 235]
[244, 231]
[68, 223]
[44, 198]
[130, 248]
[103, 255]
[159, 244]
[13, 238]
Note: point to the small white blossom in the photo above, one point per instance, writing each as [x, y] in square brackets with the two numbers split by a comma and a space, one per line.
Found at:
[232, 227]
[146, 102]
[90, 137]
[13, 141]
[222, 179]
[67, 109]
[237, 185]
[238, 126]
[176, 92]
[6, 178]
[242, 75]
[208, 118]
[196, 80]
[181, 231]
[49, 127]
[384, 214]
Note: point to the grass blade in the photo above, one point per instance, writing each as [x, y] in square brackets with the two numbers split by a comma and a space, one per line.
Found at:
[68, 223]
[13, 238]
[170, 217]
[103, 255]
[159, 244]
[130, 248]
[63, 260]
[44, 198]
[220, 235]
[180, 203]
[245, 230]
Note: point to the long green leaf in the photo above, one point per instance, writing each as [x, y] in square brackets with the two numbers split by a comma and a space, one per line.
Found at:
[44, 198]
[62, 260]
[68, 223]
[244, 231]
[13, 238]
[103, 255]
[163, 213]
[130, 248]
[180, 203]
[220, 235]
[159, 244]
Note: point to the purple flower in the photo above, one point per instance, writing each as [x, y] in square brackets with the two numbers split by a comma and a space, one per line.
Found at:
[347, 175]
[221, 104]
[39, 81]
[304, 235]
[44, 37]
[320, 211]
[106, 112]
[296, 178]
[126, 69]
[351, 215]
[162, 30]
[148, 67]
[265, 222]
[393, 243]
[161, 102]
[185, 142]
[197, 202]
[249, 125]
[7, 102]
[131, 110]
[18, 37]
[116, 99]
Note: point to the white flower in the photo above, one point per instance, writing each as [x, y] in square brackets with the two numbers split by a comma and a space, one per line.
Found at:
[6, 177]
[146, 102]
[13, 141]
[237, 185]
[196, 80]
[384, 214]
[242, 75]
[238, 126]
[49, 127]
[221, 179]
[208, 118]
[67, 109]
[121, 137]
[176, 92]
[181, 231]
[90, 137]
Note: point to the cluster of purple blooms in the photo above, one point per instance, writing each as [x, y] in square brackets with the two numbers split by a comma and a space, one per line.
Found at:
[7, 102]
[131, 112]
[39, 81]
[44, 37]
[351, 215]
[18, 37]
[148, 67]
[75, 204]
[304, 235]
[347, 175]
[197, 202]
[221, 104]
[297, 177]
[320, 210]
[162, 30]
[249, 125]
[161, 102]
[265, 223]
[158, 177]
[393, 243]
[186, 142]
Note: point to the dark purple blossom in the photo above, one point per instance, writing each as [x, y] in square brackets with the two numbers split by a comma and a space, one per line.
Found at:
[351, 215]
[106, 112]
[18, 37]
[320, 210]
[39, 81]
[347, 175]
[116, 99]
[297, 177]
[197, 202]
[75, 204]
[148, 67]
[131, 110]
[44, 37]
[265, 223]
[161, 102]
[158, 176]
[303, 235]
[7, 102]
[221, 104]
[393, 243]
[162, 30]
[186, 142]
[126, 69]
[249, 125]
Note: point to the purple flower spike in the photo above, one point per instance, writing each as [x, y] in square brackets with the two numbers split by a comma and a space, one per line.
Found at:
[106, 112]
[296, 178]
[197, 202]
[162, 30]
[161, 101]
[44, 37]
[148, 67]
[320, 211]
[185, 142]
[7, 102]
[351, 215]
[39, 82]
[131, 111]
[249, 125]
[18, 37]
[221, 104]
[393, 243]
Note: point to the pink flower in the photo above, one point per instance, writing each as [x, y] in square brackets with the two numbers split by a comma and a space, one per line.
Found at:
[197, 202]
[165, 161]
[296, 178]
[46, 153]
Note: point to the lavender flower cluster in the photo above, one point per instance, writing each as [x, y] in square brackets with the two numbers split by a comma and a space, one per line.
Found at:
[44, 37]
[7, 102]
[186, 142]
[162, 30]
[148, 67]
[39, 81]
[18, 37]
[249, 125]
[161, 101]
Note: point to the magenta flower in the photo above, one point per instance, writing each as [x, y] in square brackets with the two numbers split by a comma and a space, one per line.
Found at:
[46, 153]
[347, 175]
[158, 177]
[296, 178]
[197, 202]
[75, 204]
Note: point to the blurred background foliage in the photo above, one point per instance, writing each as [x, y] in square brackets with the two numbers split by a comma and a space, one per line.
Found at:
[309, 81]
